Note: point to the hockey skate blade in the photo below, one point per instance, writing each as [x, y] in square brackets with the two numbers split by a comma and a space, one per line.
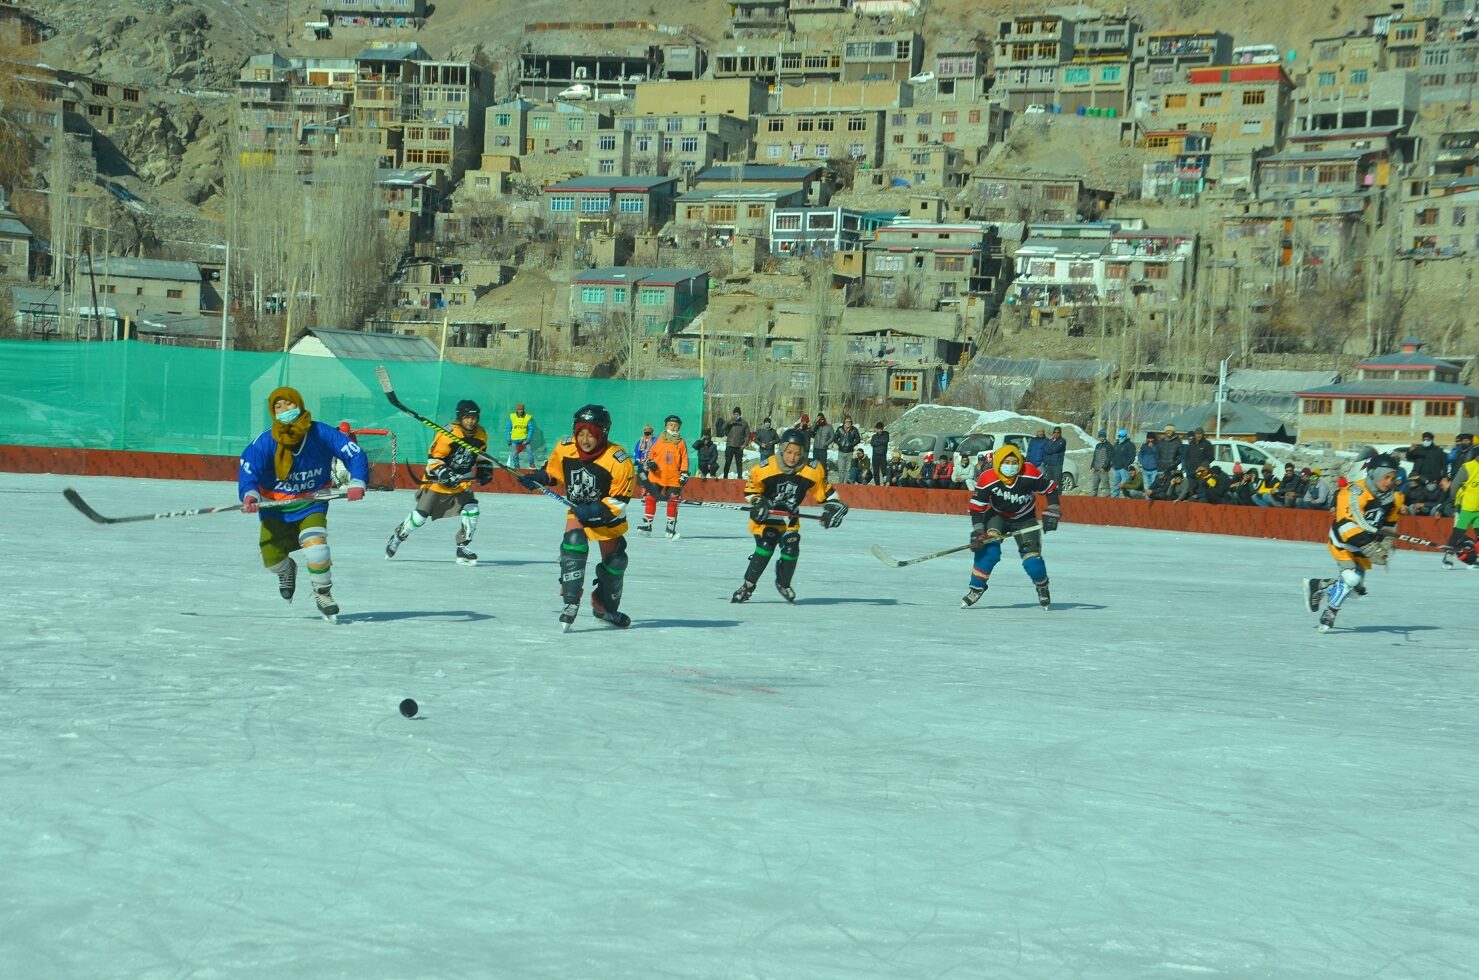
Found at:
[467, 562]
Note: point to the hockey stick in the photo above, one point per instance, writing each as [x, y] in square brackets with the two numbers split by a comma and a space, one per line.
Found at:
[727, 506]
[888, 559]
[1422, 541]
[389, 390]
[75, 499]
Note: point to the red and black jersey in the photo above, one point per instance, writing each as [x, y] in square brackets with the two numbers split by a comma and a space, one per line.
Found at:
[1015, 500]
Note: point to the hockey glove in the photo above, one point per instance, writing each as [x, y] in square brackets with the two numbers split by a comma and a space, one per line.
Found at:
[445, 476]
[249, 503]
[979, 540]
[355, 493]
[534, 480]
[760, 510]
[833, 511]
[592, 513]
[651, 465]
[483, 473]
[1375, 551]
[1050, 518]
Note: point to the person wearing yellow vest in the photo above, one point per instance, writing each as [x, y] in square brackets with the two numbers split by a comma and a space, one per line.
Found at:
[520, 437]
[1465, 512]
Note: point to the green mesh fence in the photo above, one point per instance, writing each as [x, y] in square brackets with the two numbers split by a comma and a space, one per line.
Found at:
[127, 395]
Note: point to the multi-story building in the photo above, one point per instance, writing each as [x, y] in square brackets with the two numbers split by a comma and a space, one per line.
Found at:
[132, 287]
[556, 58]
[380, 14]
[819, 135]
[960, 74]
[601, 203]
[780, 61]
[1105, 37]
[1245, 109]
[738, 97]
[1104, 263]
[1349, 86]
[926, 265]
[1177, 163]
[1457, 154]
[71, 102]
[1406, 39]
[1006, 197]
[882, 57]
[823, 231]
[818, 16]
[1029, 50]
[650, 301]
[1335, 173]
[1095, 84]
[15, 245]
[521, 128]
[970, 131]
[722, 213]
[1438, 225]
[681, 146]
[751, 17]
[1393, 400]
[809, 179]
[301, 103]
[1163, 58]
[1293, 243]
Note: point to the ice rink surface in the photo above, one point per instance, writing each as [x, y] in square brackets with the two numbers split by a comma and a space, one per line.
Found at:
[1170, 773]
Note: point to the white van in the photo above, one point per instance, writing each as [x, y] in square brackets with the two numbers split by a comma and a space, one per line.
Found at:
[1233, 451]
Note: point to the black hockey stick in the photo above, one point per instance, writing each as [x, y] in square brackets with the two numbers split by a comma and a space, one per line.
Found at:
[728, 506]
[889, 559]
[389, 390]
[75, 499]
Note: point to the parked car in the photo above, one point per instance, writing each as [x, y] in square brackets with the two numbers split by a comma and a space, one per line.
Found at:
[1232, 451]
[914, 447]
[986, 442]
[575, 93]
[1036, 109]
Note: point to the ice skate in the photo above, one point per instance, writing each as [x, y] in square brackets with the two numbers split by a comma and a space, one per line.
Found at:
[465, 557]
[1448, 560]
[1327, 619]
[646, 526]
[672, 528]
[326, 604]
[972, 596]
[787, 593]
[1043, 596]
[618, 619]
[743, 593]
[394, 544]
[287, 580]
[1314, 589]
[567, 617]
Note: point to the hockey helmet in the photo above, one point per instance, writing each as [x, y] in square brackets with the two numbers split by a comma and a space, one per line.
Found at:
[595, 417]
[1377, 467]
[468, 407]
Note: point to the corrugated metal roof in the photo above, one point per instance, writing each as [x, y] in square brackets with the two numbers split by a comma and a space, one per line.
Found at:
[649, 275]
[1038, 368]
[1238, 418]
[1407, 359]
[754, 171]
[393, 52]
[1065, 246]
[127, 267]
[11, 225]
[1248, 379]
[362, 345]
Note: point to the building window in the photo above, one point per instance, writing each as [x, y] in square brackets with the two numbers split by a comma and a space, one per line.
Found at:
[1325, 79]
[631, 205]
[1210, 100]
[773, 152]
[1319, 406]
[1358, 77]
[1075, 76]
[888, 263]
[826, 124]
[949, 263]
[694, 212]
[606, 143]
[948, 118]
[823, 151]
[1396, 408]
[619, 295]
[99, 89]
[688, 144]
[1176, 101]
[904, 384]
[539, 124]
[805, 124]
[857, 124]
[130, 95]
[644, 144]
[1117, 270]
[648, 296]
[606, 167]
[1254, 97]
[1460, 215]
[788, 222]
[593, 295]
[1110, 74]
[562, 204]
[974, 116]
[1440, 409]
[1360, 406]
[1252, 127]
[594, 205]
[722, 212]
[175, 293]
[1157, 270]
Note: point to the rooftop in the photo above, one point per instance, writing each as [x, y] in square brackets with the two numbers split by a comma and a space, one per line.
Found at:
[752, 171]
[127, 267]
[646, 275]
[1394, 389]
[364, 345]
[617, 182]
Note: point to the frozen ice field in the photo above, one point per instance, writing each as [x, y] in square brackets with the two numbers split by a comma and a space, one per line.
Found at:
[1169, 774]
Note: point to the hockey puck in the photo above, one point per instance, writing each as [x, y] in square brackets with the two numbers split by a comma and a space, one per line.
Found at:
[409, 708]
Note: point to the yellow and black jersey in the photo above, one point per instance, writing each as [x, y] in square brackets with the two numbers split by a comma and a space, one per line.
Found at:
[446, 456]
[786, 491]
[608, 476]
[1359, 518]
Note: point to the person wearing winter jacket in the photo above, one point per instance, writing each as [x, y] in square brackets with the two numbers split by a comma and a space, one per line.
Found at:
[766, 438]
[1037, 448]
[847, 439]
[1428, 460]
[1133, 487]
[944, 473]
[736, 438]
[1147, 460]
[708, 456]
[821, 441]
[1167, 450]
[1316, 494]
[878, 442]
[1054, 453]
[1099, 466]
[1121, 458]
[1199, 454]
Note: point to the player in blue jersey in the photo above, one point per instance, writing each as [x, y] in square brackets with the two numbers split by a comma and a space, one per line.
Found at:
[293, 460]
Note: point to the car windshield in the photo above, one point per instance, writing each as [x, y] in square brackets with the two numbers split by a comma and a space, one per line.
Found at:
[1255, 455]
[917, 445]
[971, 445]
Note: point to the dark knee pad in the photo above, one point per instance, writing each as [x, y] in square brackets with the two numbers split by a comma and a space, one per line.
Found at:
[765, 544]
[574, 550]
[790, 549]
[609, 572]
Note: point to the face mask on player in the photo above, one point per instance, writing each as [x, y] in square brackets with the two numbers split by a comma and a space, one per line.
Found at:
[1010, 469]
[290, 415]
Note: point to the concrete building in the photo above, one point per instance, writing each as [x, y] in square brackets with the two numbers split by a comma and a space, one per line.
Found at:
[748, 18]
[1029, 49]
[15, 245]
[373, 14]
[1163, 58]
[1246, 110]
[1104, 264]
[525, 129]
[882, 57]
[1349, 85]
[557, 57]
[680, 146]
[1304, 172]
[584, 205]
[134, 287]
[1002, 196]
[301, 103]
[1394, 399]
[1095, 85]
[724, 213]
[1438, 225]
[739, 97]
[960, 74]
[809, 179]
[819, 135]
[930, 265]
[1177, 163]
[779, 61]
[800, 231]
[650, 301]
[969, 130]
[1314, 239]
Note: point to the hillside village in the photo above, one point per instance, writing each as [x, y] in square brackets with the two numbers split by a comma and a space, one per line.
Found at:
[859, 205]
